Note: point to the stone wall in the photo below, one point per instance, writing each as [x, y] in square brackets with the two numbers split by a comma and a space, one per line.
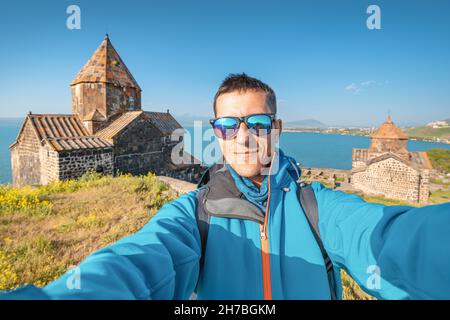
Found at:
[397, 146]
[392, 179]
[190, 174]
[108, 99]
[87, 97]
[325, 174]
[50, 167]
[424, 186]
[359, 157]
[119, 99]
[139, 149]
[93, 126]
[178, 185]
[26, 159]
[73, 164]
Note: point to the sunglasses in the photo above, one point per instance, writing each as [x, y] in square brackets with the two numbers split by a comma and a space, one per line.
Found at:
[227, 127]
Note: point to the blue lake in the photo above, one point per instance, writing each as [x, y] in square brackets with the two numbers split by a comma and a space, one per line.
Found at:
[9, 128]
[324, 150]
[309, 149]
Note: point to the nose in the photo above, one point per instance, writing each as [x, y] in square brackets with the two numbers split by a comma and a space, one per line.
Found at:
[242, 134]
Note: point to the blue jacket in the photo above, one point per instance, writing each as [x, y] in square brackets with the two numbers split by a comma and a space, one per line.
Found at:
[393, 252]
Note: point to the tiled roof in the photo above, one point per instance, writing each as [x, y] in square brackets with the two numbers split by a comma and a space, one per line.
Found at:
[388, 130]
[94, 116]
[75, 143]
[62, 132]
[416, 160]
[57, 126]
[164, 122]
[106, 66]
[118, 124]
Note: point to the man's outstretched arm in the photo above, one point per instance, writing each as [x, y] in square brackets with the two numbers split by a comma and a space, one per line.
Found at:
[161, 261]
[393, 252]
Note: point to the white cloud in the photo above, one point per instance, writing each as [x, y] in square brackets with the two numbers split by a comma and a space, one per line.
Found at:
[356, 88]
[353, 87]
[368, 83]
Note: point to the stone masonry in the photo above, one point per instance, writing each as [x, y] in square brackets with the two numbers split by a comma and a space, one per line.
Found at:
[107, 131]
[387, 168]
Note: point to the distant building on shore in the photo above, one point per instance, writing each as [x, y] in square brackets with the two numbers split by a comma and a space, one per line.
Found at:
[107, 131]
[388, 168]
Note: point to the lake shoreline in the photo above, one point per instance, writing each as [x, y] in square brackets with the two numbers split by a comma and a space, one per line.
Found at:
[310, 149]
[357, 135]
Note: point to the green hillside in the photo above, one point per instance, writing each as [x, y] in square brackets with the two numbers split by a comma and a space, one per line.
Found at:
[440, 158]
[428, 133]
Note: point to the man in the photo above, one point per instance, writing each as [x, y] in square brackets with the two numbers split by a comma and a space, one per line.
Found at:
[256, 241]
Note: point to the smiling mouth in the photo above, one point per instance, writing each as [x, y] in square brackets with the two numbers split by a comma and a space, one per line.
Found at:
[246, 152]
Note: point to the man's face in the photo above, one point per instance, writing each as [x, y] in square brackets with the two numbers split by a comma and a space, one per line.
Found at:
[246, 153]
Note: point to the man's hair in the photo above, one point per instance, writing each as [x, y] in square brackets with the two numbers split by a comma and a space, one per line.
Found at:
[241, 83]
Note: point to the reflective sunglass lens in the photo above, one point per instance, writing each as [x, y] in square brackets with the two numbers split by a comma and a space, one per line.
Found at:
[225, 128]
[260, 124]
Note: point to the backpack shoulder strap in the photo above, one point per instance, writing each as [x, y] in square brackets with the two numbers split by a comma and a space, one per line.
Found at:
[203, 219]
[308, 202]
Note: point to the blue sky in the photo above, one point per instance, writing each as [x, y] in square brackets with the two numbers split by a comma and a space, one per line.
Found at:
[319, 56]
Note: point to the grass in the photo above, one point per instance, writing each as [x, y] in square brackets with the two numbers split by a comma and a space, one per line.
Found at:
[388, 201]
[351, 290]
[339, 178]
[440, 159]
[45, 230]
[428, 132]
[440, 182]
[440, 196]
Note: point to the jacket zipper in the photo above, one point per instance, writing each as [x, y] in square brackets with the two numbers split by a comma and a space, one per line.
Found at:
[265, 253]
[265, 264]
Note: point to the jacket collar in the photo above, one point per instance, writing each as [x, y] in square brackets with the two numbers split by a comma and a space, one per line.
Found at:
[283, 168]
[224, 199]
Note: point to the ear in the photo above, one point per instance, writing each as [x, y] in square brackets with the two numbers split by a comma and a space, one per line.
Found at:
[278, 124]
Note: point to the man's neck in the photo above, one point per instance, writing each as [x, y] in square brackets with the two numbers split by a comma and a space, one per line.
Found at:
[257, 180]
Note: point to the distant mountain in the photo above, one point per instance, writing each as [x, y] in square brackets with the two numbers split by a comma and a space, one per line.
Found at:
[430, 133]
[306, 123]
[187, 120]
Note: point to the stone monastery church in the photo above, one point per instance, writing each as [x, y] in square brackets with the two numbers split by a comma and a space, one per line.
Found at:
[389, 169]
[107, 131]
